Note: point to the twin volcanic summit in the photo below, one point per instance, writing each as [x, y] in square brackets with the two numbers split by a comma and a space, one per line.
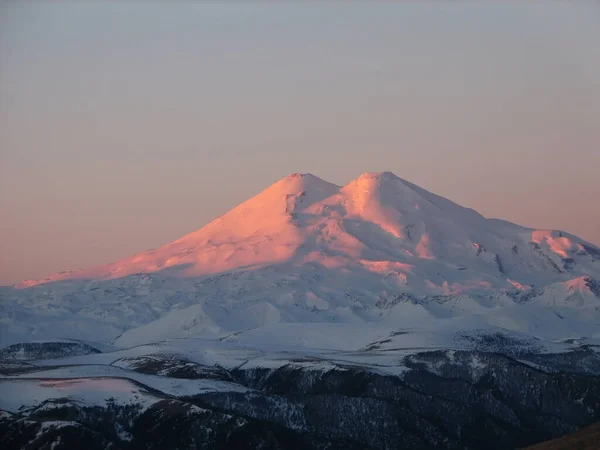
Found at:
[372, 315]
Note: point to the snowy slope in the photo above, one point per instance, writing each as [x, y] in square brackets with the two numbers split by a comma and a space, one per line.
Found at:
[400, 309]
[373, 256]
[90, 391]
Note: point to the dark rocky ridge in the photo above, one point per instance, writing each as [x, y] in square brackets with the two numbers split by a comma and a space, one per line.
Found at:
[445, 400]
[45, 350]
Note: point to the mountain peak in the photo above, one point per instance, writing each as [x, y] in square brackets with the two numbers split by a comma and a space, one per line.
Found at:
[387, 175]
[376, 178]
[297, 175]
[374, 186]
[378, 218]
[369, 180]
[296, 183]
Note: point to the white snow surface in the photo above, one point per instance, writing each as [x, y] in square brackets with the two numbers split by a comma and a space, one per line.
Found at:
[24, 393]
[176, 387]
[307, 268]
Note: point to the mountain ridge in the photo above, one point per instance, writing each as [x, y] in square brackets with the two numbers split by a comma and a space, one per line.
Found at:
[379, 251]
[302, 210]
[309, 312]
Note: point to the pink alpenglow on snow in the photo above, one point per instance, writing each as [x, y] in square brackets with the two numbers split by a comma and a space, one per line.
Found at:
[558, 243]
[377, 223]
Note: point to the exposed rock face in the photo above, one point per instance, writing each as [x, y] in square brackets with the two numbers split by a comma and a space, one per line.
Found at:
[173, 368]
[167, 424]
[45, 350]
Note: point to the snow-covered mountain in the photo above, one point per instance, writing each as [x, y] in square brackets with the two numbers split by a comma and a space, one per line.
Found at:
[308, 251]
[377, 278]
[379, 223]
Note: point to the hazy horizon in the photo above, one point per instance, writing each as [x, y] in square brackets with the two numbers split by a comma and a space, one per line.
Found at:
[124, 126]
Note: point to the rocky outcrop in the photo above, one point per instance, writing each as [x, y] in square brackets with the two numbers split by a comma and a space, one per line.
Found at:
[444, 400]
[45, 350]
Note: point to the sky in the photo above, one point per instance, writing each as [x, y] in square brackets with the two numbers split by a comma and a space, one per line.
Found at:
[125, 125]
